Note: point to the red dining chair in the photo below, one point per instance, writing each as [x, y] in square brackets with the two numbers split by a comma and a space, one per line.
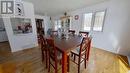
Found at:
[54, 55]
[83, 33]
[82, 52]
[44, 49]
[72, 32]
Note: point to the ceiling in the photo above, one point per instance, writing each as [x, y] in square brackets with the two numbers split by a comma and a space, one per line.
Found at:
[54, 7]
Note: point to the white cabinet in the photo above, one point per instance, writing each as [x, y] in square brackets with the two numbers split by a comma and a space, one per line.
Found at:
[3, 36]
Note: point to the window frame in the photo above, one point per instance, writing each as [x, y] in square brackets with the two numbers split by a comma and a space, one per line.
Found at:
[93, 20]
[103, 20]
[84, 21]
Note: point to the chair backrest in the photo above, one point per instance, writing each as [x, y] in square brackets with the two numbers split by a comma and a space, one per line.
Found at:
[89, 48]
[72, 32]
[83, 33]
[52, 49]
[43, 42]
[85, 47]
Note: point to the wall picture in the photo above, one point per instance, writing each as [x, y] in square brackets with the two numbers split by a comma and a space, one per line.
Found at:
[21, 25]
[19, 9]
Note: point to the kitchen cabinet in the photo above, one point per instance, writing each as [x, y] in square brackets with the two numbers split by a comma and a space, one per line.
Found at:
[3, 36]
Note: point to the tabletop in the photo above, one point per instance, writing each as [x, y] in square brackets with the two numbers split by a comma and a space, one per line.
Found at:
[65, 45]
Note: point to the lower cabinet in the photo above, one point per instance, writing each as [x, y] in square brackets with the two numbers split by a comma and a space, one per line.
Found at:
[3, 36]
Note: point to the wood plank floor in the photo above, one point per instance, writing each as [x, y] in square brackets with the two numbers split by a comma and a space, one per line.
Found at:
[4, 47]
[29, 61]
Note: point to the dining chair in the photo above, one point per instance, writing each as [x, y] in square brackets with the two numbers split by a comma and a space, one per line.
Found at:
[72, 32]
[82, 52]
[54, 55]
[38, 37]
[83, 33]
[44, 48]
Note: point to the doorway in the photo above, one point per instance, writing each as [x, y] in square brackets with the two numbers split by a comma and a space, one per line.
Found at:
[40, 28]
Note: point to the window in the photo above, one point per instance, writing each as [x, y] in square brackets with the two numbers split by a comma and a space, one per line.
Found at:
[88, 21]
[94, 21]
[99, 20]
[57, 24]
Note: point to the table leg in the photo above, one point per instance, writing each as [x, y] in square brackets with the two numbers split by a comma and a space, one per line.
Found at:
[64, 62]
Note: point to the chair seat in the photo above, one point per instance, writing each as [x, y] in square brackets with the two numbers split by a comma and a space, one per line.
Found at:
[59, 56]
[76, 51]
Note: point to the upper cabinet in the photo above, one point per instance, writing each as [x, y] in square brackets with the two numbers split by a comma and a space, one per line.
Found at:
[65, 22]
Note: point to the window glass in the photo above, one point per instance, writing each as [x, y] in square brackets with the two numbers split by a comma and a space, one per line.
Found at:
[87, 21]
[99, 20]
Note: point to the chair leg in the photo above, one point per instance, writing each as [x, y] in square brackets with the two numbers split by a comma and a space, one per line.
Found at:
[49, 64]
[56, 70]
[46, 59]
[49, 68]
[85, 61]
[85, 64]
[78, 68]
[68, 64]
[42, 55]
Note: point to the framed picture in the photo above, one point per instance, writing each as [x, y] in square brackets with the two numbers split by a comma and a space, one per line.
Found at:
[19, 9]
[21, 25]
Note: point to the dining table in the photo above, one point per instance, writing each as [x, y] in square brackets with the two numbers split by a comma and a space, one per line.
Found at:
[65, 45]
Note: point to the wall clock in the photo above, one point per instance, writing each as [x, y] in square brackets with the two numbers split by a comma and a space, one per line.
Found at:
[76, 17]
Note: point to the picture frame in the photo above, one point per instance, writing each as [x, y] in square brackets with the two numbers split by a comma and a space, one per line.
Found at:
[21, 25]
[19, 9]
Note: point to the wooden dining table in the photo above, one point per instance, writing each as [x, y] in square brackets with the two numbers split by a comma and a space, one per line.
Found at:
[65, 46]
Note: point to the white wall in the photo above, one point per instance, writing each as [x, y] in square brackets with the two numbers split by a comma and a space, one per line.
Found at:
[115, 36]
[20, 42]
[39, 16]
[47, 23]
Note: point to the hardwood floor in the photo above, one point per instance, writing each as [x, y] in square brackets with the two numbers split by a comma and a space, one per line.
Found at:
[29, 61]
[4, 48]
